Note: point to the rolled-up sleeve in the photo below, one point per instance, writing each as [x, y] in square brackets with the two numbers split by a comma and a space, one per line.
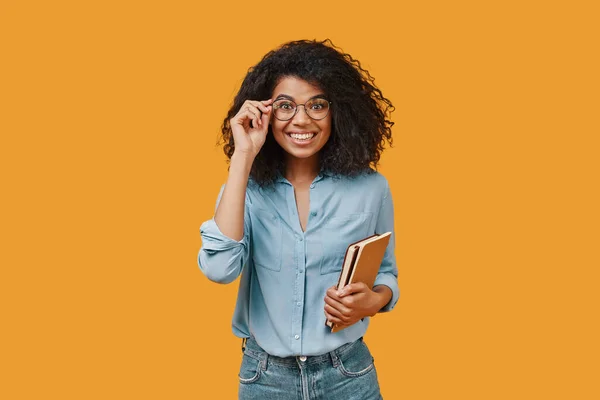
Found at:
[221, 258]
[388, 272]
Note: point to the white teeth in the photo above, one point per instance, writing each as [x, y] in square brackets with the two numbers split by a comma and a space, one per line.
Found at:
[302, 136]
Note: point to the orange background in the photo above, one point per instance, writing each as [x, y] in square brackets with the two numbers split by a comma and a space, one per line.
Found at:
[110, 113]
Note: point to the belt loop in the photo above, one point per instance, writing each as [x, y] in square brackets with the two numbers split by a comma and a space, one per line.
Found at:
[244, 344]
[265, 359]
[335, 360]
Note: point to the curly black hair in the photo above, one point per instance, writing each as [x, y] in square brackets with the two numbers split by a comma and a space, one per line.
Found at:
[360, 125]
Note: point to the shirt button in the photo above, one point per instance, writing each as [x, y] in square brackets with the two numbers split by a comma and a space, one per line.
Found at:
[300, 239]
[297, 337]
[302, 358]
[298, 304]
[313, 213]
[312, 186]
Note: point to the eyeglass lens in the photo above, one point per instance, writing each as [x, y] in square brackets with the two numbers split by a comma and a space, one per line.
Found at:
[285, 109]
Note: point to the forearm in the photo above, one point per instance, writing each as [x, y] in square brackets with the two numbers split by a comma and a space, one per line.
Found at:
[383, 298]
[229, 216]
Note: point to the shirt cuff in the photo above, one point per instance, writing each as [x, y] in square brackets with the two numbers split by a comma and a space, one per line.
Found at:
[214, 240]
[390, 281]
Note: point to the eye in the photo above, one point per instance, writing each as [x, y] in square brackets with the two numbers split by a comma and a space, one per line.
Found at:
[285, 105]
[318, 104]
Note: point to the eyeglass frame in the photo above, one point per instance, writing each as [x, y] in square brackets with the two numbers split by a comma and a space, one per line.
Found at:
[303, 105]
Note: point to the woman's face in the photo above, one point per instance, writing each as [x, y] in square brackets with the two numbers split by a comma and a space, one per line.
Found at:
[301, 136]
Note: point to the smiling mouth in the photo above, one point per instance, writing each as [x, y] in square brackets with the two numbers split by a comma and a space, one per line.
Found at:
[302, 136]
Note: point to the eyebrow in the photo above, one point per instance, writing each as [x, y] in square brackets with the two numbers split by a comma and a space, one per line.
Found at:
[286, 96]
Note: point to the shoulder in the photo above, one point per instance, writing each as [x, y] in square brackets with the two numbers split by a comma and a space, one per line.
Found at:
[370, 180]
[258, 195]
[251, 192]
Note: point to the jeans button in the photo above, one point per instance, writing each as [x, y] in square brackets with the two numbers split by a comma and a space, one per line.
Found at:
[302, 358]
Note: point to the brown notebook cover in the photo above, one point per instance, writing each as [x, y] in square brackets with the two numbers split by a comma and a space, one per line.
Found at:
[361, 263]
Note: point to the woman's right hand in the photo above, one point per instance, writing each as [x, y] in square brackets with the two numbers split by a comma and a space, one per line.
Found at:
[250, 126]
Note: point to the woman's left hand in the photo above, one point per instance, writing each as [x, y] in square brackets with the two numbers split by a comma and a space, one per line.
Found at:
[353, 303]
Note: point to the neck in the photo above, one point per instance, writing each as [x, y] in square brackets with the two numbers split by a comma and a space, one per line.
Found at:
[301, 170]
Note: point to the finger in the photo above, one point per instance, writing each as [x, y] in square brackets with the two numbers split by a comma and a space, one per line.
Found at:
[253, 104]
[247, 105]
[266, 116]
[336, 321]
[334, 315]
[340, 307]
[332, 292]
[257, 114]
[350, 301]
[259, 105]
[352, 288]
[251, 119]
[244, 117]
[252, 111]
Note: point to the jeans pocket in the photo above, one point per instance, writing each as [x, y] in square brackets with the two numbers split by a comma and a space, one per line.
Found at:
[357, 362]
[249, 370]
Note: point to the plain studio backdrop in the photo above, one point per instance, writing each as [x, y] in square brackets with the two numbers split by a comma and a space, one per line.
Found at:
[109, 117]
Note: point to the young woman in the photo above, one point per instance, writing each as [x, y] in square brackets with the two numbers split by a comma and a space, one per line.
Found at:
[303, 137]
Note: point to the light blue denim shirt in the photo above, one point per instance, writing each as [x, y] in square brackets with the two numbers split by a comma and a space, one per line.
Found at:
[285, 272]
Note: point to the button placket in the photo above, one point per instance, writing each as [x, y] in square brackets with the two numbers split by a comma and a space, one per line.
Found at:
[300, 251]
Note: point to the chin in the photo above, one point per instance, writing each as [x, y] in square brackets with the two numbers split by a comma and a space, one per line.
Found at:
[303, 154]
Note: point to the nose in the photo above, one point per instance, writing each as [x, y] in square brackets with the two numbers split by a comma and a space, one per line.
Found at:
[301, 117]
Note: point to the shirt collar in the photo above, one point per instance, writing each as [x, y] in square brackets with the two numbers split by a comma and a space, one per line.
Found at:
[281, 179]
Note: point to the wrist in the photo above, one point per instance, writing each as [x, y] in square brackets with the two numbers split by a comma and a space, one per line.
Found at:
[242, 159]
[383, 295]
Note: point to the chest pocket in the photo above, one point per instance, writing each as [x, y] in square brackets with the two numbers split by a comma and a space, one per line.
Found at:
[266, 239]
[338, 233]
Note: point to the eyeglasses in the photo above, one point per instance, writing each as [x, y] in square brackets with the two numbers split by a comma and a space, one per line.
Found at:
[316, 108]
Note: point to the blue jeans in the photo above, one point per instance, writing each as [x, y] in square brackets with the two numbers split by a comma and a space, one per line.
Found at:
[347, 373]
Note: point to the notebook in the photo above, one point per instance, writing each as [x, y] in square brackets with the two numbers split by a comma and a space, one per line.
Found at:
[361, 263]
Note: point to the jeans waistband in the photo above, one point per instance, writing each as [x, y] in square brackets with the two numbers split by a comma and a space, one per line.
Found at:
[254, 350]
